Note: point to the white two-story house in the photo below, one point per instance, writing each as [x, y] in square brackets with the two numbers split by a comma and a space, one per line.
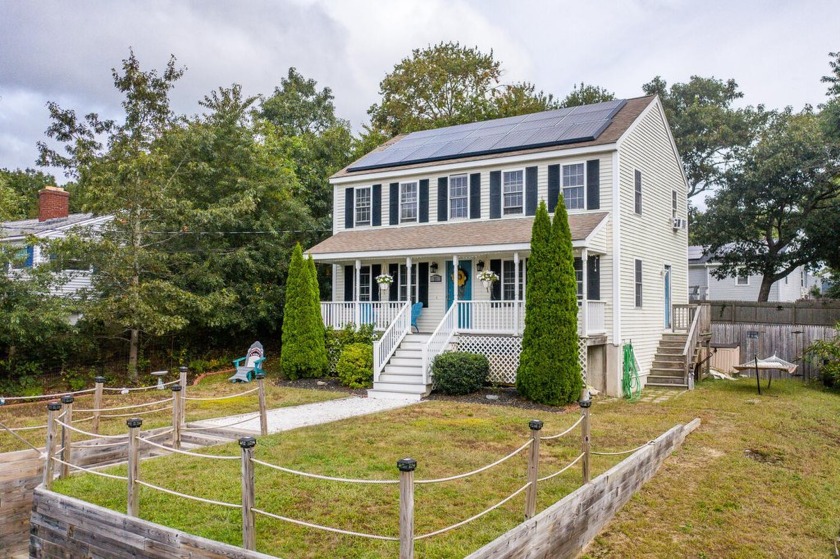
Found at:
[434, 208]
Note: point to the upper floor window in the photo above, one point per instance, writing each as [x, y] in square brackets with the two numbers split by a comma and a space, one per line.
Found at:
[512, 191]
[674, 203]
[637, 189]
[408, 201]
[23, 258]
[458, 197]
[573, 185]
[363, 206]
[638, 283]
[742, 279]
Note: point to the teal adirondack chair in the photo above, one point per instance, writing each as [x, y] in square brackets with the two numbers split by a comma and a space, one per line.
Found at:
[253, 364]
[416, 309]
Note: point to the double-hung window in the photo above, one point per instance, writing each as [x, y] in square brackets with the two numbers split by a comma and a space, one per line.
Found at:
[637, 191]
[402, 282]
[638, 283]
[364, 283]
[509, 287]
[408, 202]
[458, 197]
[674, 204]
[363, 206]
[579, 277]
[513, 183]
[742, 278]
[573, 186]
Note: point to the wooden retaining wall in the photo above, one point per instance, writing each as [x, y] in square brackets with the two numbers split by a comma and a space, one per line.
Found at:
[66, 527]
[565, 528]
[20, 473]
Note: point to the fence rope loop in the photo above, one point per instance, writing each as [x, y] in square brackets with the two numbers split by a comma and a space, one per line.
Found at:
[326, 478]
[632, 450]
[566, 432]
[325, 528]
[478, 471]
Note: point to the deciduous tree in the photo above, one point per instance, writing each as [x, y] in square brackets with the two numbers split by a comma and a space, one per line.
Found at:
[586, 95]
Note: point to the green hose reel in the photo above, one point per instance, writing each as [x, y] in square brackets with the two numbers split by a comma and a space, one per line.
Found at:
[631, 386]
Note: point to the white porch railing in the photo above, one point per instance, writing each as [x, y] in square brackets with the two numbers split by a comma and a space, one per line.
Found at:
[491, 317]
[596, 318]
[439, 340]
[381, 314]
[384, 347]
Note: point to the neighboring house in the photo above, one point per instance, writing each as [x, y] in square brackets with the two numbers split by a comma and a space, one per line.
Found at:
[703, 286]
[54, 221]
[426, 204]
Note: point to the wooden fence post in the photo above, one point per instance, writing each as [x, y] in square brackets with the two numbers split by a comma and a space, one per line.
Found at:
[263, 412]
[183, 383]
[533, 468]
[97, 402]
[585, 403]
[249, 533]
[407, 467]
[52, 439]
[134, 425]
[176, 416]
[66, 437]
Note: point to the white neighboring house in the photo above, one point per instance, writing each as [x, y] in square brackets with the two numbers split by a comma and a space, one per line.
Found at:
[703, 286]
[54, 221]
[434, 208]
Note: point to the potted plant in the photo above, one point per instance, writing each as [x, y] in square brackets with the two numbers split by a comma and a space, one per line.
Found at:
[384, 281]
[488, 278]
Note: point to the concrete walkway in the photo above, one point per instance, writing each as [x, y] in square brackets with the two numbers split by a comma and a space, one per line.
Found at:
[292, 417]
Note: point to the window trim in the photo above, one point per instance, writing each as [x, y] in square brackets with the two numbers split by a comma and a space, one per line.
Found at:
[638, 283]
[416, 184]
[674, 203]
[365, 271]
[502, 191]
[522, 278]
[738, 279]
[449, 196]
[638, 206]
[585, 182]
[356, 220]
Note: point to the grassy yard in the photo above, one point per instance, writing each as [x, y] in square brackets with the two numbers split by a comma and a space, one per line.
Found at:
[760, 478]
[211, 386]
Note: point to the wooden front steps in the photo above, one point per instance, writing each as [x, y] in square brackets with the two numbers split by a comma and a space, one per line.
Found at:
[402, 377]
[668, 369]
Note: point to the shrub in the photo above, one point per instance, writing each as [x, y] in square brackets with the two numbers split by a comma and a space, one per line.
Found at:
[458, 372]
[336, 340]
[302, 353]
[355, 366]
[826, 355]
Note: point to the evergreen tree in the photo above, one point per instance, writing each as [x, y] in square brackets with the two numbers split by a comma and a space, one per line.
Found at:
[549, 372]
[303, 353]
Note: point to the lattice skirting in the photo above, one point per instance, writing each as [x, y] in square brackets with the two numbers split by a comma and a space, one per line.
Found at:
[503, 354]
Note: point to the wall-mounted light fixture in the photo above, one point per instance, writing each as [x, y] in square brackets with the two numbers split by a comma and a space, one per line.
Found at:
[479, 265]
[433, 267]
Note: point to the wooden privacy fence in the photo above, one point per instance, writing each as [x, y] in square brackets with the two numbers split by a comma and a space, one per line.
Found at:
[405, 482]
[818, 312]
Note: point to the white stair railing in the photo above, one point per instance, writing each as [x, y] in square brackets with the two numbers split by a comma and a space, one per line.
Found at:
[439, 340]
[384, 347]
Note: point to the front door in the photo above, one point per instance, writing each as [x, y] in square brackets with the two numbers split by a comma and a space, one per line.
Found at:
[464, 289]
[667, 297]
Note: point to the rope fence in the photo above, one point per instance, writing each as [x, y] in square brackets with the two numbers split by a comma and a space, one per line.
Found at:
[621, 452]
[246, 392]
[325, 528]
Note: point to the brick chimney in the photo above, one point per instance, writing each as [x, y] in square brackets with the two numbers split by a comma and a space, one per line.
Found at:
[53, 202]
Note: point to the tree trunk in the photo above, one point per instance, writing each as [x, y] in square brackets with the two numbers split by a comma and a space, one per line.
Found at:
[132, 354]
[764, 291]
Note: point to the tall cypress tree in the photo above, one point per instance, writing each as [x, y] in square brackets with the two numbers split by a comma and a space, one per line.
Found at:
[549, 372]
[303, 352]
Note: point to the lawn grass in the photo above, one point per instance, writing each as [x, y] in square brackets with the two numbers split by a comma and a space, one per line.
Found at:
[24, 415]
[711, 499]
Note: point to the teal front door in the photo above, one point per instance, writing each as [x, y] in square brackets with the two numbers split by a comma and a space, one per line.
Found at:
[464, 290]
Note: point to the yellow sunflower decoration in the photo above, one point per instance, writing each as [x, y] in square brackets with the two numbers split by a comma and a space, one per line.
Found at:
[462, 277]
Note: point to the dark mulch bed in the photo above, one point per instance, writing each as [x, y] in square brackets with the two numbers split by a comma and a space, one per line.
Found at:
[498, 396]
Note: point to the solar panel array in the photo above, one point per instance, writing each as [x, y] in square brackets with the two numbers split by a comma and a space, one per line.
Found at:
[563, 126]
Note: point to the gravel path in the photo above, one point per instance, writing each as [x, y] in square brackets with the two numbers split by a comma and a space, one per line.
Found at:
[292, 417]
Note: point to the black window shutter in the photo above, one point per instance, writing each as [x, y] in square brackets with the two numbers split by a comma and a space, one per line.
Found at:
[593, 278]
[443, 199]
[530, 190]
[423, 283]
[495, 194]
[496, 266]
[348, 283]
[376, 202]
[394, 291]
[475, 196]
[375, 270]
[553, 187]
[394, 203]
[424, 201]
[348, 208]
[593, 184]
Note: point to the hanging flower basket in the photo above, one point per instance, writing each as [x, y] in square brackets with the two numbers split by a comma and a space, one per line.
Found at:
[488, 278]
[384, 281]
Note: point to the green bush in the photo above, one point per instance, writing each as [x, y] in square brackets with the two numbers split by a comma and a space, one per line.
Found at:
[825, 354]
[337, 340]
[355, 366]
[458, 372]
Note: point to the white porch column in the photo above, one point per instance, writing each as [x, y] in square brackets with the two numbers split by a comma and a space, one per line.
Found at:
[455, 288]
[408, 279]
[584, 309]
[517, 302]
[357, 290]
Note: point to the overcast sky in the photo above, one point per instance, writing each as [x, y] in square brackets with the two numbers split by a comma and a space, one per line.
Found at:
[63, 51]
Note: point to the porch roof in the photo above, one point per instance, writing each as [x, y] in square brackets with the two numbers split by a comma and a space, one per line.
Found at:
[496, 235]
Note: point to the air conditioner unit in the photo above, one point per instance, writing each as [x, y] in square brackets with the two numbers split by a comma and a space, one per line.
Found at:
[680, 223]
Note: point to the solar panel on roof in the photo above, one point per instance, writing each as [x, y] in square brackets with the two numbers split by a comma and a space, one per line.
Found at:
[563, 126]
